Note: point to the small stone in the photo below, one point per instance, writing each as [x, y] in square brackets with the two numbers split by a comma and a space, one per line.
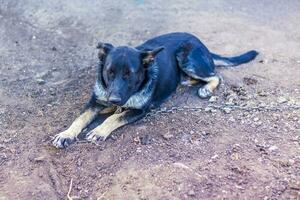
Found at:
[52, 91]
[138, 150]
[163, 109]
[262, 61]
[136, 140]
[191, 193]
[281, 100]
[259, 123]
[235, 156]
[256, 119]
[262, 93]
[213, 99]
[145, 140]
[250, 80]
[213, 110]
[227, 110]
[273, 148]
[7, 140]
[204, 133]
[40, 81]
[39, 159]
[215, 156]
[167, 136]
[2, 146]
[291, 161]
[231, 119]
[208, 109]
[192, 132]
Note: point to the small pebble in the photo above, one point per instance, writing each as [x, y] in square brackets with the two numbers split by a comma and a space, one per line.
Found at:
[273, 148]
[231, 119]
[2, 146]
[167, 136]
[204, 133]
[213, 99]
[291, 161]
[40, 81]
[227, 110]
[191, 193]
[208, 109]
[39, 159]
[281, 100]
[262, 93]
[256, 119]
[145, 140]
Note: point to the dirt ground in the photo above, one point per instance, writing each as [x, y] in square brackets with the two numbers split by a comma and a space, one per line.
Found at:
[47, 70]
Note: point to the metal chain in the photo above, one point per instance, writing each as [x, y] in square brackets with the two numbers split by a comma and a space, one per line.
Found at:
[224, 107]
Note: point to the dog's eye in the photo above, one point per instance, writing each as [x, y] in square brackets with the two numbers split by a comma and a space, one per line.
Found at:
[111, 72]
[126, 72]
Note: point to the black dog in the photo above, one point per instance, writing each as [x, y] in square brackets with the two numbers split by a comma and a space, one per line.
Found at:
[132, 80]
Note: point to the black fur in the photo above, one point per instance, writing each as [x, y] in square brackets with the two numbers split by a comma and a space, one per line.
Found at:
[132, 80]
[155, 68]
[234, 61]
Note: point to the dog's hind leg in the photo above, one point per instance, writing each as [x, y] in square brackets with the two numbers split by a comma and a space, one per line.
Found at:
[208, 89]
[187, 80]
[196, 62]
[114, 122]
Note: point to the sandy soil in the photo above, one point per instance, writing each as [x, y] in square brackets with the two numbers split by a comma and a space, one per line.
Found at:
[47, 69]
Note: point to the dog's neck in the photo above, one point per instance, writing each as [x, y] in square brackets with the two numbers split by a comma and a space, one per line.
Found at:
[140, 99]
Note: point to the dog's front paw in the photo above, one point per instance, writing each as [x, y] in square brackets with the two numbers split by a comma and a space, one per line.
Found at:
[63, 140]
[95, 136]
[204, 93]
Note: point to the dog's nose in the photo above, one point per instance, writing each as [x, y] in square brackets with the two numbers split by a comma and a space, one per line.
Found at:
[114, 99]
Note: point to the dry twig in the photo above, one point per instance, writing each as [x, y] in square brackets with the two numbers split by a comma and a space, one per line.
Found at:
[70, 188]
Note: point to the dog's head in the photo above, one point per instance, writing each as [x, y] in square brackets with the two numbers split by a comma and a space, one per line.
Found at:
[123, 70]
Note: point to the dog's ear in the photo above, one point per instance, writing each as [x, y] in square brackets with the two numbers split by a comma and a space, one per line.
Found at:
[148, 56]
[104, 49]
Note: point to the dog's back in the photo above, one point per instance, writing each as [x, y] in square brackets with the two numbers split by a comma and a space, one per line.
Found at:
[169, 71]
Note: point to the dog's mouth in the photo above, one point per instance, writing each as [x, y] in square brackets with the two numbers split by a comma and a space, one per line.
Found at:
[103, 96]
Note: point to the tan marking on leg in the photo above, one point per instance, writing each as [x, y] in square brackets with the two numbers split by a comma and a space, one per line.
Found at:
[109, 125]
[65, 138]
[82, 121]
[187, 80]
[207, 90]
[114, 122]
[108, 110]
[212, 82]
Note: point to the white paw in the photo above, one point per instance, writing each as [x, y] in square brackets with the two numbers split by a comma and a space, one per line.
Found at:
[63, 140]
[94, 136]
[204, 93]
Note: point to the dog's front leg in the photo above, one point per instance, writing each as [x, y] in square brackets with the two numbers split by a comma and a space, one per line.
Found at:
[114, 122]
[65, 138]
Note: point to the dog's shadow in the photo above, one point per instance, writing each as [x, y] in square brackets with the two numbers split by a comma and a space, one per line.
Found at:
[96, 122]
[183, 91]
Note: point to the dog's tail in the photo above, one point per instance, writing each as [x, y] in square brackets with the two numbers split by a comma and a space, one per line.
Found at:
[221, 61]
